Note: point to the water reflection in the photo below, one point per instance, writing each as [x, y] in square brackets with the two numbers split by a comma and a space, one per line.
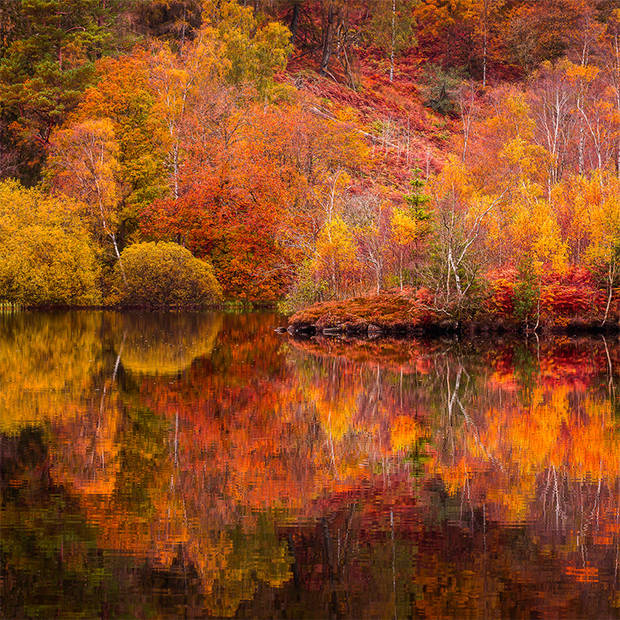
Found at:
[202, 465]
[163, 344]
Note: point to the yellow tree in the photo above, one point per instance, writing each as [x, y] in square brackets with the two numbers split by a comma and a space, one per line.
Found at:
[335, 256]
[603, 253]
[177, 80]
[84, 165]
[405, 232]
[46, 253]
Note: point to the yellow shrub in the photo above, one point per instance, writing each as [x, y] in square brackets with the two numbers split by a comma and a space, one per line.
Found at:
[165, 274]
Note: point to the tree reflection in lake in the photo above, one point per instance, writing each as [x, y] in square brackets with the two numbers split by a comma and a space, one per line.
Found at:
[203, 465]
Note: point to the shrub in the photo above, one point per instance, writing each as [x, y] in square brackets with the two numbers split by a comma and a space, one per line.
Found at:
[46, 254]
[164, 274]
[440, 88]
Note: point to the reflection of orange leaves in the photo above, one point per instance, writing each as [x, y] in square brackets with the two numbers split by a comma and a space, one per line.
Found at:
[88, 461]
[584, 574]
[504, 380]
[405, 431]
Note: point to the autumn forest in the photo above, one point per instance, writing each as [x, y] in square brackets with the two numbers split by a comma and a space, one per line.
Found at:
[463, 156]
[309, 309]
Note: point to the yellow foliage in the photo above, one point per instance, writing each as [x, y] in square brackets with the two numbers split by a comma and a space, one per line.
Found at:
[46, 254]
[604, 222]
[405, 228]
[46, 367]
[165, 274]
[335, 250]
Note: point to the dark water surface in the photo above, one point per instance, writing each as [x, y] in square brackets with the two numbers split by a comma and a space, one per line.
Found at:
[157, 466]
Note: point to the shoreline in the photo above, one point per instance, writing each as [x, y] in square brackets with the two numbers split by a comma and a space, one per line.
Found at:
[222, 307]
[395, 314]
[474, 328]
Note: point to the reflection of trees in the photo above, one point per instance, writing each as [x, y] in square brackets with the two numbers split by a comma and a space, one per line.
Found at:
[517, 434]
[163, 344]
[373, 486]
[47, 362]
[544, 451]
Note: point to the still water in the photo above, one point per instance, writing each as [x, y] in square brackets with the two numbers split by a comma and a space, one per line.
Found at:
[200, 465]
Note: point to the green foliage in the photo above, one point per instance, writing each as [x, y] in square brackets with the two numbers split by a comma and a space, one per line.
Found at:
[46, 61]
[307, 290]
[417, 199]
[164, 274]
[46, 256]
[252, 52]
[440, 88]
[527, 291]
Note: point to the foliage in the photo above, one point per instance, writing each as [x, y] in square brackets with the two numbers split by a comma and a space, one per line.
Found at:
[254, 52]
[46, 61]
[440, 89]
[267, 139]
[47, 255]
[527, 291]
[163, 344]
[165, 274]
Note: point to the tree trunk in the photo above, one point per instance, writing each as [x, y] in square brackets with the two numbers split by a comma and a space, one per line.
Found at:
[610, 283]
[328, 35]
[294, 23]
[118, 257]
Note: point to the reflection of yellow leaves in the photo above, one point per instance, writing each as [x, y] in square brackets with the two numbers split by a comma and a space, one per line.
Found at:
[46, 364]
[335, 414]
[164, 344]
[516, 445]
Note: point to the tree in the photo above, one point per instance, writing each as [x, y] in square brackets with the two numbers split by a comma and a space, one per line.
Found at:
[335, 258]
[124, 94]
[46, 61]
[411, 224]
[370, 219]
[84, 165]
[603, 253]
[254, 52]
[391, 28]
[461, 214]
[47, 255]
[176, 20]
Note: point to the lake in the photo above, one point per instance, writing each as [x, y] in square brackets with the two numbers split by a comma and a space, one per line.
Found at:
[201, 465]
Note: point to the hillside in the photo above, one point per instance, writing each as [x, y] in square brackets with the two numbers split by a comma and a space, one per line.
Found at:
[309, 150]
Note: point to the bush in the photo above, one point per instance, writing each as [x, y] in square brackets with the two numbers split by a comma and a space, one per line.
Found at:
[46, 254]
[164, 274]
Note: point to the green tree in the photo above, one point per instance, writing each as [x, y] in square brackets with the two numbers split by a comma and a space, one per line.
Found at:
[46, 61]
[527, 293]
[253, 52]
